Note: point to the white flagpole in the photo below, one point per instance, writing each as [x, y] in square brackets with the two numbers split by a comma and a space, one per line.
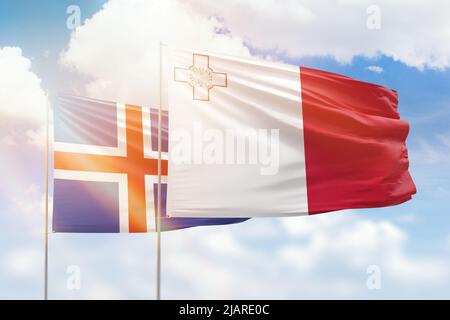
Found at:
[46, 199]
[158, 206]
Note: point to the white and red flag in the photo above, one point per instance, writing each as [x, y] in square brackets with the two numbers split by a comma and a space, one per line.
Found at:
[258, 139]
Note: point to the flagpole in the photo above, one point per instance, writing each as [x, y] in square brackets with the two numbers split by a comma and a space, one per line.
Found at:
[158, 206]
[46, 199]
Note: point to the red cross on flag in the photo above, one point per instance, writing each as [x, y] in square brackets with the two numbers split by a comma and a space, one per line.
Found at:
[253, 138]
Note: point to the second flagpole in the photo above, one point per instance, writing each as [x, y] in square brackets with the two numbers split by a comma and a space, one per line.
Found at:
[47, 129]
[158, 206]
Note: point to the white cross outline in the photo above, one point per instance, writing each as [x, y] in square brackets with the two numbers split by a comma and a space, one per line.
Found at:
[199, 92]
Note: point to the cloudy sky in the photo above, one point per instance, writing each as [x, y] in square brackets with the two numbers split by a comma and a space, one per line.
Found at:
[112, 54]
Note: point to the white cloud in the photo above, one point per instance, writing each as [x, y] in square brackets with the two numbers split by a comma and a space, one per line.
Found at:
[23, 262]
[47, 53]
[376, 69]
[30, 201]
[7, 140]
[37, 136]
[104, 292]
[407, 218]
[21, 94]
[339, 28]
[115, 266]
[359, 243]
[308, 257]
[27, 209]
[433, 150]
[118, 48]
[22, 116]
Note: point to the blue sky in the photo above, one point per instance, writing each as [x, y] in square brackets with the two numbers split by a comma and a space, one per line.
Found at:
[122, 266]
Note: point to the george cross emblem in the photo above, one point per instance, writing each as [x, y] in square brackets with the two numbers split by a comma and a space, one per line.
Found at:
[200, 77]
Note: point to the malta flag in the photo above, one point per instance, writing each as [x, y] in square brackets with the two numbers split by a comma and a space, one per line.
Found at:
[106, 169]
[258, 139]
